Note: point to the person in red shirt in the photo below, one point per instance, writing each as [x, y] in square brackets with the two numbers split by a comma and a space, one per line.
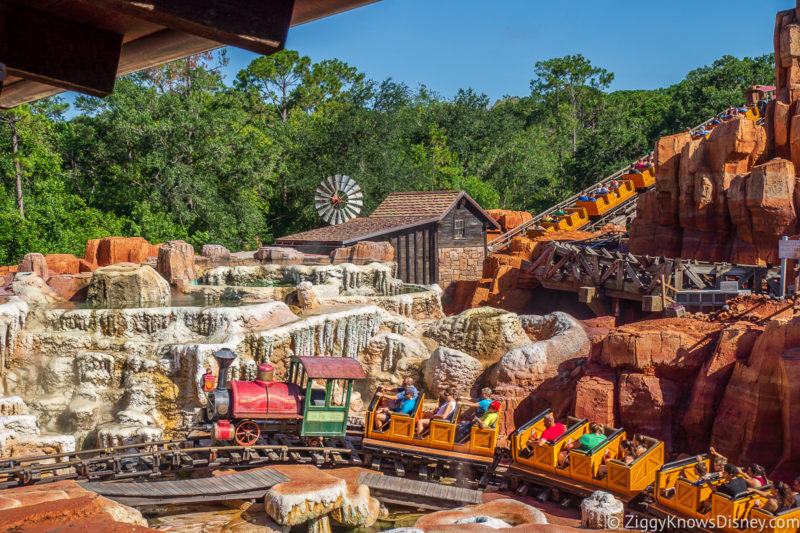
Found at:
[551, 432]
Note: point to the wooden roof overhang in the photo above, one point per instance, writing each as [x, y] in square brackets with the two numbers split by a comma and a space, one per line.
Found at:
[50, 46]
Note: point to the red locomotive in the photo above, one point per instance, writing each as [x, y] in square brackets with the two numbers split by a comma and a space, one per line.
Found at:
[309, 403]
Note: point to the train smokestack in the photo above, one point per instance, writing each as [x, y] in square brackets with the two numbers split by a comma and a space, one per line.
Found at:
[224, 359]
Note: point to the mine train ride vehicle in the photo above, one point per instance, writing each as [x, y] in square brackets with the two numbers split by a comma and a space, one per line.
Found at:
[313, 401]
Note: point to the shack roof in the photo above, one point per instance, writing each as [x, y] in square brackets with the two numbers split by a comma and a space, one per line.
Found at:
[332, 367]
[50, 46]
[398, 212]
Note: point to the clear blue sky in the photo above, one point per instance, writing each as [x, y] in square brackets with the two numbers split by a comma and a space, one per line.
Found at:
[492, 45]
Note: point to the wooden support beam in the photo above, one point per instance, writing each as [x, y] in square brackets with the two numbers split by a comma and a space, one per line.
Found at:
[260, 26]
[58, 52]
[149, 51]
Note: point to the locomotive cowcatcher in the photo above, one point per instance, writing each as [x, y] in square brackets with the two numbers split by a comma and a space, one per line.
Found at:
[313, 402]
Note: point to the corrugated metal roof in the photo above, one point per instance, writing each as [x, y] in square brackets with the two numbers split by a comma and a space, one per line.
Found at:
[332, 367]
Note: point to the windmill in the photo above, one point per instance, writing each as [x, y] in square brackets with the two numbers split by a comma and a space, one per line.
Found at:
[338, 199]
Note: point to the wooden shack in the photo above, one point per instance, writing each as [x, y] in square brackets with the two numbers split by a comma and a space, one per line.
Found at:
[438, 236]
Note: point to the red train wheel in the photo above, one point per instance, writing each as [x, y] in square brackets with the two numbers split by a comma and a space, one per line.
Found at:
[247, 433]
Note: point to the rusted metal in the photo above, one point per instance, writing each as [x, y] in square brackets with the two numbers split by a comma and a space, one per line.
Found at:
[332, 368]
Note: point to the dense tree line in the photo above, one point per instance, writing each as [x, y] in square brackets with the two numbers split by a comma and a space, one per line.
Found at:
[177, 153]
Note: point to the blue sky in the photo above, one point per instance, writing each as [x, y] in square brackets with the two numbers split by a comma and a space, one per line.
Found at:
[492, 46]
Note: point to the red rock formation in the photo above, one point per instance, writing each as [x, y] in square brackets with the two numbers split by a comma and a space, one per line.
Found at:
[790, 399]
[594, 395]
[71, 286]
[735, 342]
[67, 264]
[748, 426]
[509, 220]
[65, 505]
[363, 252]
[279, 255]
[34, 263]
[176, 263]
[673, 348]
[113, 250]
[647, 404]
[597, 330]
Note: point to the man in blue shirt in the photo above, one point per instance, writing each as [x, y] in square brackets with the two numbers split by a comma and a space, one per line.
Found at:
[382, 413]
[406, 406]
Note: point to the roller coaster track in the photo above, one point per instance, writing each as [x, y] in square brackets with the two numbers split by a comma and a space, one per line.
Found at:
[618, 215]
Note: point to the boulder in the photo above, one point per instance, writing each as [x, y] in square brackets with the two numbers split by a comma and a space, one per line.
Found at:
[306, 299]
[451, 369]
[36, 263]
[127, 285]
[485, 333]
[602, 510]
[509, 220]
[215, 252]
[363, 252]
[558, 338]
[71, 286]
[279, 255]
[594, 395]
[176, 263]
[32, 289]
[503, 512]
[647, 405]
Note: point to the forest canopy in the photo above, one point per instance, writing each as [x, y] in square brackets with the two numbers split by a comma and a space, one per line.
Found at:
[179, 152]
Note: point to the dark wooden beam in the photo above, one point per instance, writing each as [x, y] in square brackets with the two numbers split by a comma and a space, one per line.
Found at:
[260, 26]
[150, 51]
[59, 52]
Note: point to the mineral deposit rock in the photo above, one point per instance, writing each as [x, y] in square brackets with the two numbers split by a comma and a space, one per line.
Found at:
[31, 288]
[558, 338]
[66, 264]
[485, 333]
[34, 263]
[478, 517]
[128, 285]
[601, 510]
[305, 500]
[451, 369]
[306, 298]
[176, 263]
[216, 252]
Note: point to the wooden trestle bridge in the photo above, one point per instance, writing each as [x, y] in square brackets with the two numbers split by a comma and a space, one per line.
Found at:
[598, 272]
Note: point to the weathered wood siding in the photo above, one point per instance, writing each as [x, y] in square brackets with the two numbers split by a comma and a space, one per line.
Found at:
[415, 253]
[474, 229]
